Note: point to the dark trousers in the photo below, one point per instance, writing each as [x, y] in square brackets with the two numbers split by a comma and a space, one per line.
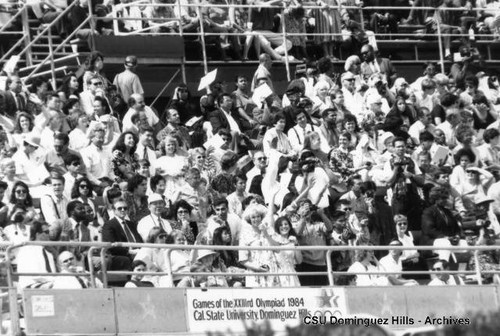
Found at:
[312, 280]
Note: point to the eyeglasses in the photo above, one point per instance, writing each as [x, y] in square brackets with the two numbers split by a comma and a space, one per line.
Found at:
[263, 158]
[21, 191]
[68, 260]
[84, 186]
[97, 83]
[122, 208]
[349, 79]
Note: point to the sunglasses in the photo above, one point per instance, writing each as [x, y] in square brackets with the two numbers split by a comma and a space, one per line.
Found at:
[437, 269]
[122, 208]
[84, 186]
[262, 158]
[97, 83]
[402, 224]
[21, 191]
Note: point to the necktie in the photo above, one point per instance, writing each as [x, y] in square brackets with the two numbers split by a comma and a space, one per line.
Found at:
[128, 233]
[20, 102]
[82, 283]
[47, 263]
[145, 156]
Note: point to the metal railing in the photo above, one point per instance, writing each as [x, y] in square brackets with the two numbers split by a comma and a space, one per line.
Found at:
[330, 273]
[197, 8]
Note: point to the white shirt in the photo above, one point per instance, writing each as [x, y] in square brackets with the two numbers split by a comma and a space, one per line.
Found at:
[31, 169]
[297, 135]
[353, 101]
[234, 223]
[448, 131]
[233, 125]
[78, 139]
[53, 208]
[97, 161]
[150, 221]
[418, 127]
[151, 156]
[152, 117]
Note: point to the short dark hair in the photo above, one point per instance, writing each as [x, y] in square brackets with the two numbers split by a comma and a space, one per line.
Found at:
[448, 99]
[489, 134]
[398, 139]
[3, 185]
[155, 180]
[221, 97]
[426, 136]
[277, 117]
[219, 200]
[134, 182]
[62, 136]
[72, 206]
[465, 152]
[70, 158]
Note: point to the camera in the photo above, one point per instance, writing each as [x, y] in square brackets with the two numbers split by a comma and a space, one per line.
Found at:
[369, 194]
[348, 234]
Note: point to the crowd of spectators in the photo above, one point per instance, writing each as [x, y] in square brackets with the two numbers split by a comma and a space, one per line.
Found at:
[358, 158]
[234, 28]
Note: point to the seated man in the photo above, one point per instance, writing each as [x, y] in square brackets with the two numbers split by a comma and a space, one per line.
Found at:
[439, 226]
[36, 259]
[120, 229]
[444, 279]
[67, 264]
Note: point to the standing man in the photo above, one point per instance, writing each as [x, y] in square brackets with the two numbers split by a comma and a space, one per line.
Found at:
[128, 82]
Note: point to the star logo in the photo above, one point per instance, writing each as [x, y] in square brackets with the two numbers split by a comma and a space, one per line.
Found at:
[327, 299]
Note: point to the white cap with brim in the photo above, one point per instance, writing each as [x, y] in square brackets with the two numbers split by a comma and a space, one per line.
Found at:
[203, 253]
[483, 199]
[386, 136]
[155, 198]
[33, 140]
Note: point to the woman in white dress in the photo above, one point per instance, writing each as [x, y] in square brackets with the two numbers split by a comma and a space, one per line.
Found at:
[255, 232]
[172, 166]
[285, 236]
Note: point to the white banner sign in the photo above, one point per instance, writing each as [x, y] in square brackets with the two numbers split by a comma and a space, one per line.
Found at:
[228, 309]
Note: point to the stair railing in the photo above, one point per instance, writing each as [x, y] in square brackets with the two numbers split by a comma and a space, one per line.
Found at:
[27, 48]
[61, 45]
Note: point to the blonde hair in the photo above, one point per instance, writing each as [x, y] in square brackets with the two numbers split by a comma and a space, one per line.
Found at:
[252, 210]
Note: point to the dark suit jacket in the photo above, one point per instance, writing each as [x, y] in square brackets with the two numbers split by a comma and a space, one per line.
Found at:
[113, 232]
[435, 225]
[8, 105]
[219, 120]
[386, 68]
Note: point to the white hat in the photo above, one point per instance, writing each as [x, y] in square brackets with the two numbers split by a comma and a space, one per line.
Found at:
[155, 198]
[33, 140]
[203, 253]
[482, 199]
[373, 99]
[386, 136]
